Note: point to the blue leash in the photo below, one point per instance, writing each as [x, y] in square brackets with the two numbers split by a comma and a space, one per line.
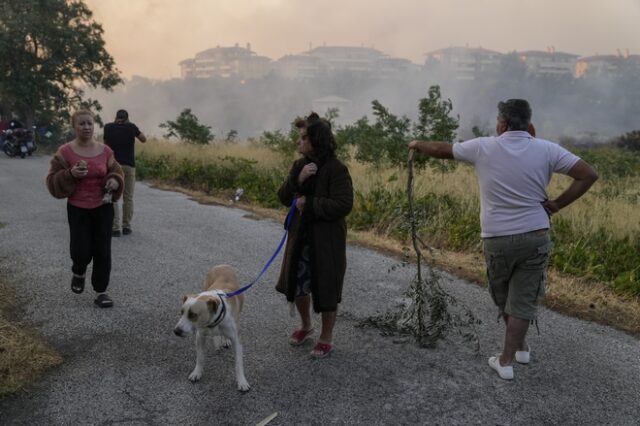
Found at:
[273, 256]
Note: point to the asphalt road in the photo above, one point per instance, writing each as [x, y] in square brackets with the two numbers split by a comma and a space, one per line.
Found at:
[123, 366]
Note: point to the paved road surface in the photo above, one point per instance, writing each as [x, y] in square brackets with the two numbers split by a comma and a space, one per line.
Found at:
[124, 366]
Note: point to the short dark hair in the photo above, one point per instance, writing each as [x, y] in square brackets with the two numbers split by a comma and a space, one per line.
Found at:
[122, 114]
[516, 113]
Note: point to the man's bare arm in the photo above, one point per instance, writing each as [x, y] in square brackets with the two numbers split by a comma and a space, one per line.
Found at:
[141, 137]
[583, 177]
[433, 149]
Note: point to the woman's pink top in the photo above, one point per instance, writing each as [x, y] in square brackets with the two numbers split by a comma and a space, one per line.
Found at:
[89, 190]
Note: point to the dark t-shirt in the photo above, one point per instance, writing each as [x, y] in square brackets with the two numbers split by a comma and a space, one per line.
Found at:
[121, 138]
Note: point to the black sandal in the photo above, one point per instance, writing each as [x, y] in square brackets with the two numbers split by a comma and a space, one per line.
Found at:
[77, 284]
[103, 301]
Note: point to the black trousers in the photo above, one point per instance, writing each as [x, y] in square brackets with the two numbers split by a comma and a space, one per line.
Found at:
[91, 240]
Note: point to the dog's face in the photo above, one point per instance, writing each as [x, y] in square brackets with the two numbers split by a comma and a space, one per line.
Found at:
[196, 312]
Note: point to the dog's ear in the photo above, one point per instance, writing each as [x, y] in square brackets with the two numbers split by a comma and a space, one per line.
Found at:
[186, 296]
[212, 304]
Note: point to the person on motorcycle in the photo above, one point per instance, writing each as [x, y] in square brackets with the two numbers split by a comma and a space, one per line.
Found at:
[17, 139]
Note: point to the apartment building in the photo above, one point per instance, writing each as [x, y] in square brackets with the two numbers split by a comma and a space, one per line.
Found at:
[607, 66]
[549, 63]
[464, 63]
[357, 61]
[226, 62]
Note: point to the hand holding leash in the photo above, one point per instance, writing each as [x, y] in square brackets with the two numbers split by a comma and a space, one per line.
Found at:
[300, 203]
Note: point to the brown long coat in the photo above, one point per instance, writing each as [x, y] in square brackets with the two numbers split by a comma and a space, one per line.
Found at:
[329, 199]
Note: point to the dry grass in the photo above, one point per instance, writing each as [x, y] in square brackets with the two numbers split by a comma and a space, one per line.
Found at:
[23, 355]
[616, 216]
[212, 152]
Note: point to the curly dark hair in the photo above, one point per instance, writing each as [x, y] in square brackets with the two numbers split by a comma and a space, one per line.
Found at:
[320, 136]
[301, 122]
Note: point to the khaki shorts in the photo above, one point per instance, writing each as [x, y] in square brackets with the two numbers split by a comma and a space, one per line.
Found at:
[517, 271]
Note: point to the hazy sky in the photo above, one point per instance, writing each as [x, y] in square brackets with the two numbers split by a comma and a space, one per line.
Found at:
[150, 37]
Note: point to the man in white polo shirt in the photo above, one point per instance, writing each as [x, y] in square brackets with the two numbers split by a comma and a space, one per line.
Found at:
[513, 170]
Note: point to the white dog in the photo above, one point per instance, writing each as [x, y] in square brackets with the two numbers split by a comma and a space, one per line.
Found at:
[211, 310]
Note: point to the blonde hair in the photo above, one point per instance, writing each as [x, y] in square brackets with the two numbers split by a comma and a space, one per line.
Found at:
[79, 113]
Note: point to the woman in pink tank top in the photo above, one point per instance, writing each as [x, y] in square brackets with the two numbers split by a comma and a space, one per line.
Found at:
[85, 173]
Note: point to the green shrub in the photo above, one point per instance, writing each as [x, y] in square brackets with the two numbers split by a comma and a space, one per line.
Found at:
[612, 163]
[226, 174]
[597, 255]
[444, 220]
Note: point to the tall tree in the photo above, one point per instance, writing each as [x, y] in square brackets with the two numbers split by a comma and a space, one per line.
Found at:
[50, 50]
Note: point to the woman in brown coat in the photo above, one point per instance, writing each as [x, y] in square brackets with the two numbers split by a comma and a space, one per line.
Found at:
[84, 171]
[315, 261]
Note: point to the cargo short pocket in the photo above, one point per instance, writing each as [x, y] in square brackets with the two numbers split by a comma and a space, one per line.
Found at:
[498, 277]
[537, 265]
[539, 259]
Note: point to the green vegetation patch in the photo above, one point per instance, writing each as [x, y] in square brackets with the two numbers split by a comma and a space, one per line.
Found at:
[225, 174]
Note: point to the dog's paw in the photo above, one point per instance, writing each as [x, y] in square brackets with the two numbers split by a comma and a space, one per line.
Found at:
[195, 375]
[243, 386]
[226, 343]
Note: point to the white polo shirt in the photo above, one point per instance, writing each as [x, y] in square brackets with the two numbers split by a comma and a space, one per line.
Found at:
[513, 172]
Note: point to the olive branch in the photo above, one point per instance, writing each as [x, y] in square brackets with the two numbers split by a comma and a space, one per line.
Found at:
[427, 315]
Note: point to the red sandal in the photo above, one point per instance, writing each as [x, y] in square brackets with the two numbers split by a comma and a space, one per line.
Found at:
[298, 337]
[321, 350]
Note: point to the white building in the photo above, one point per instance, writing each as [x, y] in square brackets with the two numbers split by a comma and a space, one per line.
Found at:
[607, 65]
[225, 62]
[357, 61]
[549, 63]
[464, 63]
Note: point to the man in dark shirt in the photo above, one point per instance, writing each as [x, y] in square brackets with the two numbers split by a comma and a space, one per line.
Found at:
[121, 136]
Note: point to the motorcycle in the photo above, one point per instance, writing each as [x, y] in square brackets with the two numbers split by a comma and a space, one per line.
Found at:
[18, 142]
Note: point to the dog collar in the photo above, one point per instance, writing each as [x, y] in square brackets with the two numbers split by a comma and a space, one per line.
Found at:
[217, 320]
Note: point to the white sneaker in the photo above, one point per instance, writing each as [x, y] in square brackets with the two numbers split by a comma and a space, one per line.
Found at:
[523, 357]
[505, 372]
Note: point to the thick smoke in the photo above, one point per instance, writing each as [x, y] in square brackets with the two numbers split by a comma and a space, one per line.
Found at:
[587, 110]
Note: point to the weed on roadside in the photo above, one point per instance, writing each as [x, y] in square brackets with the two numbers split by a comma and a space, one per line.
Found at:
[23, 355]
